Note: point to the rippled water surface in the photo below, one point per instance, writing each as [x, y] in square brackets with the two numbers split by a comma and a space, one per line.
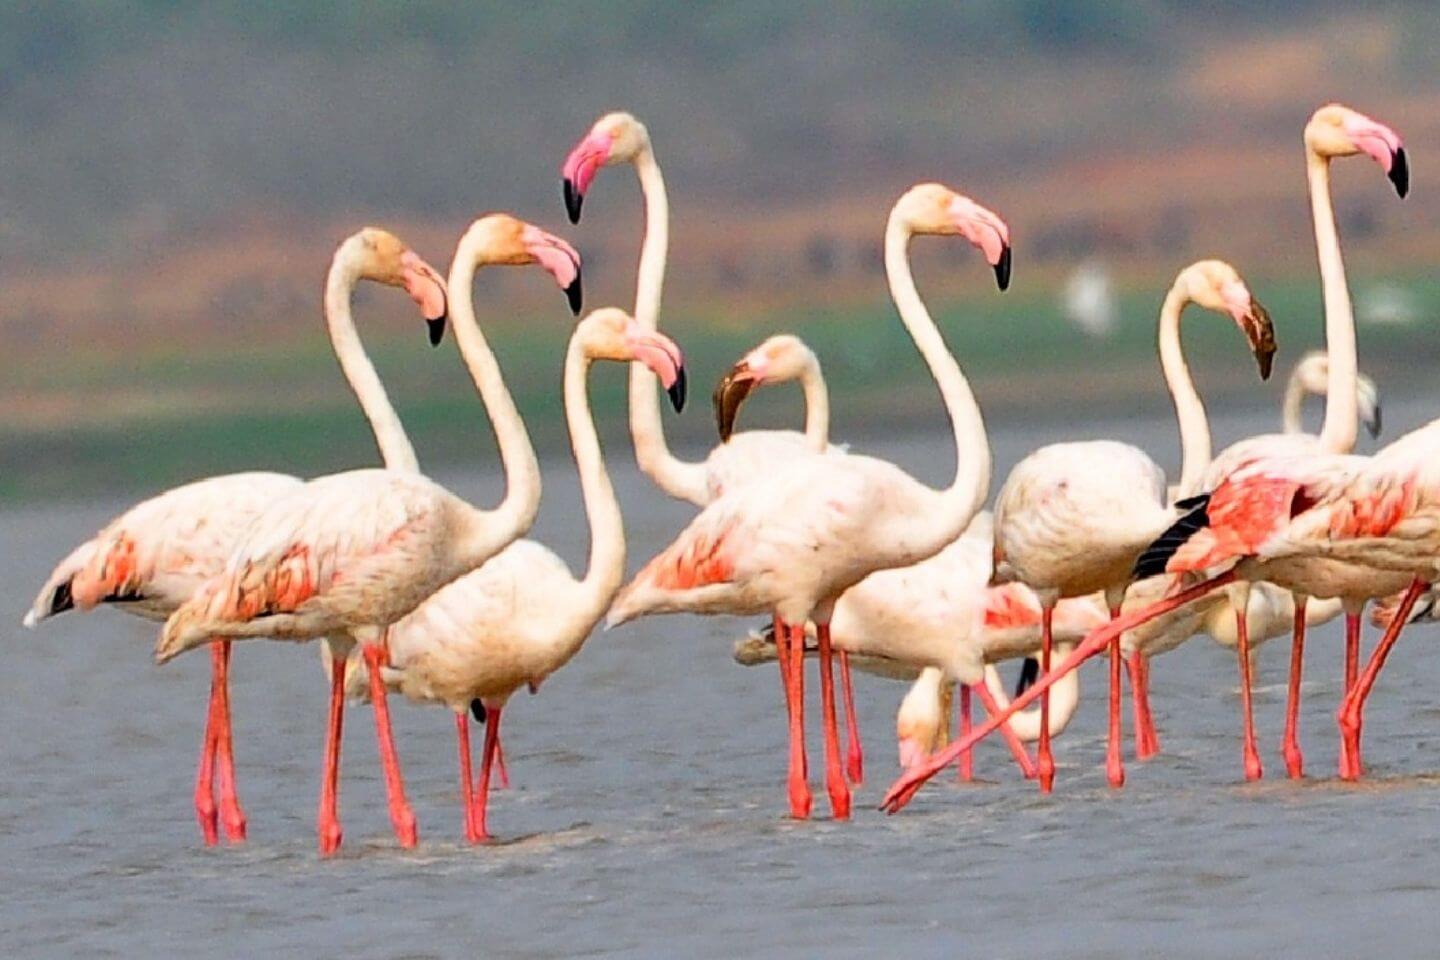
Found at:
[646, 816]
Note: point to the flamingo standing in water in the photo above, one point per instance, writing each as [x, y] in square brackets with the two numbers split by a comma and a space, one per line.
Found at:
[347, 555]
[523, 615]
[1072, 517]
[793, 544]
[616, 138]
[152, 558]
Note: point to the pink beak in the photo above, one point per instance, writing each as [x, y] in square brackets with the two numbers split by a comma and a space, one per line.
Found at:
[1384, 147]
[987, 231]
[663, 357]
[427, 289]
[579, 170]
[560, 259]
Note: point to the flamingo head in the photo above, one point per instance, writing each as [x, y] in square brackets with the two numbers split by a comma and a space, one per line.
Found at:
[779, 359]
[932, 208]
[615, 138]
[1312, 373]
[379, 255]
[509, 241]
[919, 720]
[612, 334]
[1337, 131]
[1216, 285]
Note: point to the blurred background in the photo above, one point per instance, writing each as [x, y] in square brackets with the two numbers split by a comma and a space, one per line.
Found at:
[173, 182]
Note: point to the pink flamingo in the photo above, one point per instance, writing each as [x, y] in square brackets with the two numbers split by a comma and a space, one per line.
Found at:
[794, 544]
[1072, 517]
[347, 555]
[523, 615]
[153, 557]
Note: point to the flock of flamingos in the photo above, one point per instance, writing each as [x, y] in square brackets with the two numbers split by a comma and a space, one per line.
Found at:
[1088, 548]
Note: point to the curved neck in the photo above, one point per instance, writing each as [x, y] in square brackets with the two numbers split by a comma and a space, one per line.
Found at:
[395, 448]
[1341, 417]
[817, 408]
[1025, 724]
[1293, 407]
[517, 510]
[1189, 410]
[970, 486]
[676, 477]
[606, 568]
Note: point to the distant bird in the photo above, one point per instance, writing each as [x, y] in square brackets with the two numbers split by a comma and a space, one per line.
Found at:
[348, 555]
[523, 615]
[1072, 517]
[1311, 377]
[152, 558]
[1089, 300]
[795, 542]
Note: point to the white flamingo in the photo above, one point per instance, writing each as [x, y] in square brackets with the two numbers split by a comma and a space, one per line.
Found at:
[347, 555]
[151, 558]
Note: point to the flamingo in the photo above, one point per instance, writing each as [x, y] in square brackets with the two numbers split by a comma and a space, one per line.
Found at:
[1072, 517]
[1311, 377]
[349, 554]
[522, 616]
[793, 544]
[152, 558]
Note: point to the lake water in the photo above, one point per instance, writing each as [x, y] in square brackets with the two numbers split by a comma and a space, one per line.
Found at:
[647, 813]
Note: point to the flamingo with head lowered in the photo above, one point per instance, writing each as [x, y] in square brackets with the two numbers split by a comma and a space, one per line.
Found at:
[792, 544]
[347, 555]
[152, 558]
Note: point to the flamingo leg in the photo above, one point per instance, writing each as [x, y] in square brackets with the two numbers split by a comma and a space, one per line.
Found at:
[482, 792]
[797, 787]
[1352, 650]
[854, 755]
[1147, 741]
[1044, 759]
[1352, 710]
[1253, 770]
[1017, 749]
[402, 818]
[503, 783]
[1114, 765]
[232, 815]
[462, 737]
[328, 822]
[835, 783]
[966, 763]
[205, 811]
[1294, 759]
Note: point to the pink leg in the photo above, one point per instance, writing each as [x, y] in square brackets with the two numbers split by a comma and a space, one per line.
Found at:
[1294, 759]
[402, 818]
[1114, 765]
[798, 787]
[205, 811]
[855, 756]
[462, 737]
[1147, 742]
[1352, 650]
[503, 783]
[1352, 710]
[967, 759]
[1044, 759]
[1242, 652]
[1017, 749]
[482, 793]
[328, 822]
[232, 815]
[835, 783]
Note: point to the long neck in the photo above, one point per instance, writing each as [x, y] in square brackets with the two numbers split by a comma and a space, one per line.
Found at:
[606, 569]
[817, 408]
[1189, 410]
[1341, 416]
[395, 448]
[967, 491]
[676, 477]
[1293, 407]
[517, 510]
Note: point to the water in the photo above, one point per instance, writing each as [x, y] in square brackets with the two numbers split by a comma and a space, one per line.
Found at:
[646, 817]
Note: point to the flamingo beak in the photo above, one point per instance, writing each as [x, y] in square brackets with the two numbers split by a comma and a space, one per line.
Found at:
[1002, 269]
[427, 289]
[1400, 172]
[579, 171]
[574, 295]
[560, 259]
[730, 394]
[1254, 321]
[665, 360]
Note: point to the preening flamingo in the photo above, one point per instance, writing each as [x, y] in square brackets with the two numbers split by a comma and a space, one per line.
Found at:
[1072, 517]
[523, 615]
[347, 555]
[152, 558]
[791, 545]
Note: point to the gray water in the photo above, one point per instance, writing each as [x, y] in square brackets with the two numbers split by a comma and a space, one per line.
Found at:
[647, 812]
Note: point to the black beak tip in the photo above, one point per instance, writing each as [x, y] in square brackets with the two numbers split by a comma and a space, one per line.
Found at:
[437, 329]
[575, 295]
[1267, 363]
[1373, 424]
[1400, 172]
[573, 199]
[1002, 269]
[676, 391]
